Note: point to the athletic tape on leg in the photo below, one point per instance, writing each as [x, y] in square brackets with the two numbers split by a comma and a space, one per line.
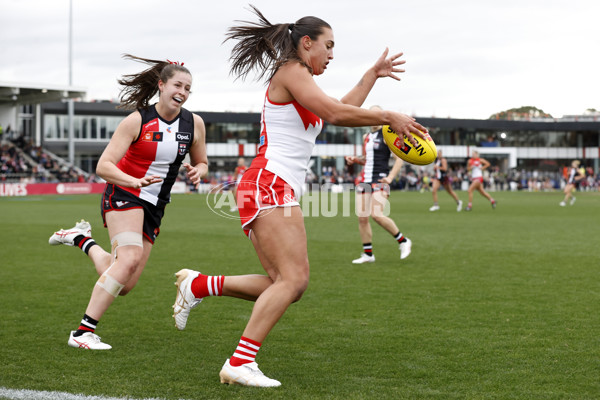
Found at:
[110, 284]
[125, 239]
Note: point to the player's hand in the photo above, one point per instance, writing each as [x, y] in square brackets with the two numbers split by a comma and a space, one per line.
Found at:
[386, 66]
[405, 127]
[193, 174]
[349, 160]
[385, 180]
[147, 180]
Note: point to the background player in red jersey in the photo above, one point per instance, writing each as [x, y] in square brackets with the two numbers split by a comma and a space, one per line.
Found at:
[237, 177]
[140, 165]
[476, 166]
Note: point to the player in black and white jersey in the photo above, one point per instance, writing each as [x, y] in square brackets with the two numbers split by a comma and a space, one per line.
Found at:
[573, 179]
[373, 191]
[140, 165]
[440, 178]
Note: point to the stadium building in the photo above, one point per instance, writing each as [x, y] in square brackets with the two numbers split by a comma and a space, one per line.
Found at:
[42, 117]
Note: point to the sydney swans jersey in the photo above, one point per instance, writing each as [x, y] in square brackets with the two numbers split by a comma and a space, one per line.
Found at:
[158, 150]
[287, 137]
[377, 157]
[476, 171]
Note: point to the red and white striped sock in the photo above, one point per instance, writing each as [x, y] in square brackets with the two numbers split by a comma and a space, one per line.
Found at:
[245, 352]
[205, 285]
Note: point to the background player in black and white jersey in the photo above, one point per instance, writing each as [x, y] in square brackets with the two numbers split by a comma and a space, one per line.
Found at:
[573, 179]
[373, 191]
[440, 178]
[140, 164]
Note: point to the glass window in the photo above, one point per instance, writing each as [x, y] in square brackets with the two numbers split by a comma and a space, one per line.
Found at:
[94, 127]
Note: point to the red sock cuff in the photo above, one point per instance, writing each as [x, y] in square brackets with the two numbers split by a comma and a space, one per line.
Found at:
[254, 342]
[205, 285]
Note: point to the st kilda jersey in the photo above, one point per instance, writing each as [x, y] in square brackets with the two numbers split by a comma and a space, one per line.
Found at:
[158, 150]
[377, 157]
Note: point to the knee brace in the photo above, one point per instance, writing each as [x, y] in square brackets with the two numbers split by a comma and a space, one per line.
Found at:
[125, 239]
[110, 284]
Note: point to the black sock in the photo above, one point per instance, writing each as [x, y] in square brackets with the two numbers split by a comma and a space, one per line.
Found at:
[84, 243]
[399, 237]
[368, 249]
[88, 324]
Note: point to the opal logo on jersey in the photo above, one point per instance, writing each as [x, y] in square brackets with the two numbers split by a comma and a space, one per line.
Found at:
[183, 137]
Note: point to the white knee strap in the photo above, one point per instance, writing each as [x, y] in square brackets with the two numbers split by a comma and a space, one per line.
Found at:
[125, 239]
[110, 284]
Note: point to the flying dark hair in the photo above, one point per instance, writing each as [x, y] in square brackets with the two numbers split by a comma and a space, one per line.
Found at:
[138, 89]
[265, 47]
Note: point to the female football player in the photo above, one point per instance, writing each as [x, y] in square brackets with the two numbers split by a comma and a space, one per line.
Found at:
[289, 56]
[476, 166]
[572, 181]
[140, 165]
[440, 178]
[373, 191]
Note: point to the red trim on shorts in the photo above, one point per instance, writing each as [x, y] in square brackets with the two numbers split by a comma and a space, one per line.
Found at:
[261, 190]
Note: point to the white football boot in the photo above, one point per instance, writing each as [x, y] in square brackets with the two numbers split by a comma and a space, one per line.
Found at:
[185, 299]
[66, 236]
[434, 207]
[246, 375]
[364, 258]
[88, 341]
[573, 199]
[405, 248]
[459, 206]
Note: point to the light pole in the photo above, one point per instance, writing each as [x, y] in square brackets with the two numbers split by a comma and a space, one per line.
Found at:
[70, 103]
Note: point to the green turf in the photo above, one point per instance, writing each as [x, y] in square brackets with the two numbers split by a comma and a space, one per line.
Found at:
[491, 304]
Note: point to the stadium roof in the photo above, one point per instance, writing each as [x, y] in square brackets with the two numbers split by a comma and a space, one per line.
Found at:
[28, 93]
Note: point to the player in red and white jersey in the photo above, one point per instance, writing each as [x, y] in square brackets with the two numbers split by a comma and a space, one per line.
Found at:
[289, 56]
[239, 170]
[475, 166]
[140, 165]
[573, 178]
[237, 177]
[373, 191]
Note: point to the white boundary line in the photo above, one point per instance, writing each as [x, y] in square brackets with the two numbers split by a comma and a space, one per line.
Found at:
[26, 394]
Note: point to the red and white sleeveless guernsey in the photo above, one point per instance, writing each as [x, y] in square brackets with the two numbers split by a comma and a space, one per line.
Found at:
[476, 170]
[287, 138]
[158, 150]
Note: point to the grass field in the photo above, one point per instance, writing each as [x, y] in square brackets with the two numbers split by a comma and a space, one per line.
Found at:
[491, 304]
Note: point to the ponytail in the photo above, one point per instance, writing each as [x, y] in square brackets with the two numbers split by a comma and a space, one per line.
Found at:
[138, 89]
[265, 47]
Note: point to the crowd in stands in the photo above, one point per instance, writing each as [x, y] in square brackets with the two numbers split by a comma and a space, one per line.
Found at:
[31, 164]
[26, 163]
[413, 178]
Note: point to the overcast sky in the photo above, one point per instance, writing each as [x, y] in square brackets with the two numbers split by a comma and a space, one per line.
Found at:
[464, 58]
